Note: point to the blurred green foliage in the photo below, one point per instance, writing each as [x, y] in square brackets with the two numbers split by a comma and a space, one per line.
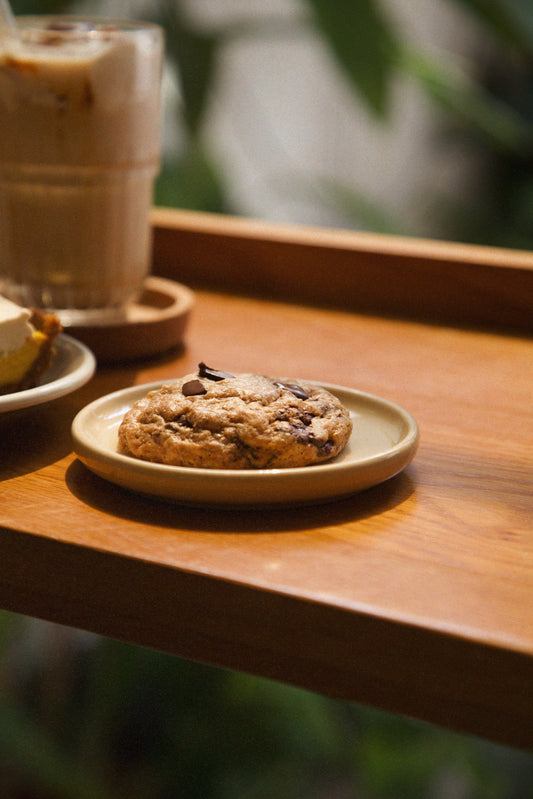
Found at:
[40, 6]
[492, 111]
[91, 718]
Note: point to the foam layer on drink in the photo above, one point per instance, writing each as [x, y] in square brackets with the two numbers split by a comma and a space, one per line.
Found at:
[80, 96]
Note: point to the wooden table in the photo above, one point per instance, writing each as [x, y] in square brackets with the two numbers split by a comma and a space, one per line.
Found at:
[414, 596]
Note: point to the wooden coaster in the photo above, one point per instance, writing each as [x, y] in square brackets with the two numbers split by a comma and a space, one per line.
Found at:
[151, 325]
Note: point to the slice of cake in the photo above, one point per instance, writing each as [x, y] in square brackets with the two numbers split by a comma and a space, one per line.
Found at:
[26, 345]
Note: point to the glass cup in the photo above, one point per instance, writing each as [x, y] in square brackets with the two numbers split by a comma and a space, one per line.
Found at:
[79, 152]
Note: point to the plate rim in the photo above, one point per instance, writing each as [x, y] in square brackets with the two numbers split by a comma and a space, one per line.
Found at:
[60, 386]
[89, 452]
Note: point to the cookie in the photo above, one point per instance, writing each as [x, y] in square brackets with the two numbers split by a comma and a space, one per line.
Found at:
[216, 420]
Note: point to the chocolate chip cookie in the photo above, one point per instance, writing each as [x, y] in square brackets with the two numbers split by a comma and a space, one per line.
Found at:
[216, 420]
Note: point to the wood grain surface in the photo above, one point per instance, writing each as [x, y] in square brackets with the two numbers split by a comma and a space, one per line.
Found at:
[415, 596]
[434, 281]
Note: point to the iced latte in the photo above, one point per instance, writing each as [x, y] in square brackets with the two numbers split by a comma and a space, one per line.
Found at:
[79, 150]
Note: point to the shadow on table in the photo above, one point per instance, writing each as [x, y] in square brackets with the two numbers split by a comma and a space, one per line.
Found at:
[36, 437]
[33, 438]
[125, 504]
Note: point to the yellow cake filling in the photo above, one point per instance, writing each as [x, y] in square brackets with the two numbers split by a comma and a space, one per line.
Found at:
[14, 365]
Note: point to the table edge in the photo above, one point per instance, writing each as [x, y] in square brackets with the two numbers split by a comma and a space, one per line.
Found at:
[233, 625]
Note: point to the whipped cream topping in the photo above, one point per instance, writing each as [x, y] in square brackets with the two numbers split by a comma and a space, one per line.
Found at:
[15, 326]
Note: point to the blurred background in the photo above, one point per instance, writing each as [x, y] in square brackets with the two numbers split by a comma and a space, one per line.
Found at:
[399, 116]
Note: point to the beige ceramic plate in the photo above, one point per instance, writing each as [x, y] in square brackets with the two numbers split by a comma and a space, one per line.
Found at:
[383, 442]
[73, 365]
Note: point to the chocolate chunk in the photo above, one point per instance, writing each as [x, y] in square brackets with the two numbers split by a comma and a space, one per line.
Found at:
[193, 388]
[298, 391]
[212, 374]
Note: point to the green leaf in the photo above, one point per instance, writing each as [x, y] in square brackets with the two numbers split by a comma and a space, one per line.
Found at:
[193, 54]
[359, 209]
[363, 44]
[510, 20]
[501, 126]
[191, 182]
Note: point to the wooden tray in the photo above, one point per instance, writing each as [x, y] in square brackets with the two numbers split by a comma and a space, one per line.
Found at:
[152, 325]
[436, 281]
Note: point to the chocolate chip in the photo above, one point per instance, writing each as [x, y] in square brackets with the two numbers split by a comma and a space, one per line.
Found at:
[298, 391]
[193, 388]
[212, 374]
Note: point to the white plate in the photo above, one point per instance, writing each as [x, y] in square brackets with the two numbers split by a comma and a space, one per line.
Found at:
[72, 366]
[383, 442]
